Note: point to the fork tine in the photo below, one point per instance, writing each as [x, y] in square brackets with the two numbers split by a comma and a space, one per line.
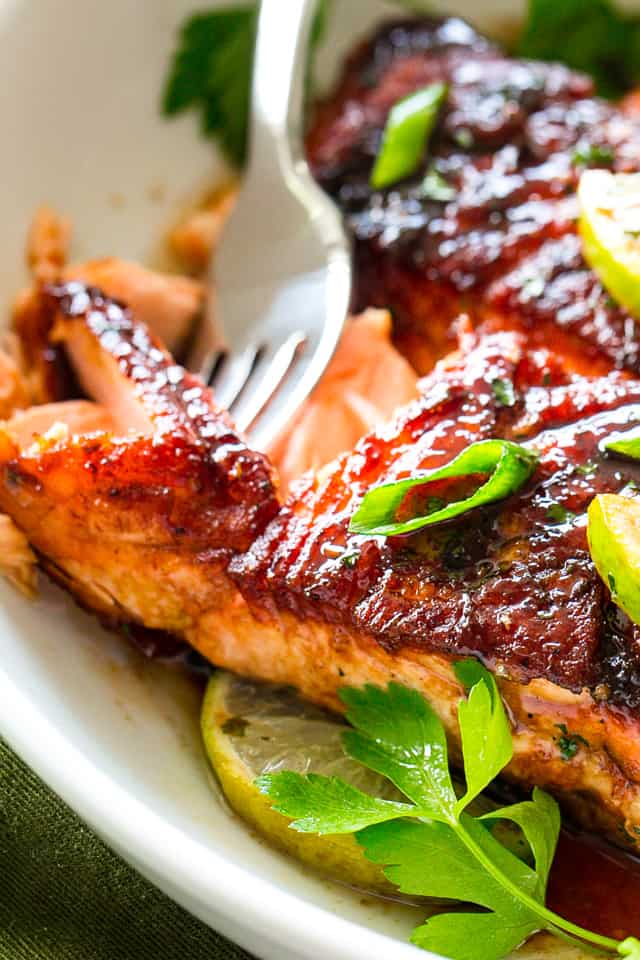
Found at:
[215, 363]
[230, 374]
[267, 377]
[212, 365]
[288, 270]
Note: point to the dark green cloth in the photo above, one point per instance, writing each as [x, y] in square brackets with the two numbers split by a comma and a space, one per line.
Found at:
[65, 896]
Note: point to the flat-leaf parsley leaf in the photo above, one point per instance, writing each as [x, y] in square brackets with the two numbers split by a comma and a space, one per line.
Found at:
[211, 72]
[433, 847]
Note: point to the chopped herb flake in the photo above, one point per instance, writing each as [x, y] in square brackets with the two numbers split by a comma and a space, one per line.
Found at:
[350, 558]
[592, 155]
[556, 513]
[587, 468]
[503, 392]
[435, 187]
[464, 138]
[569, 743]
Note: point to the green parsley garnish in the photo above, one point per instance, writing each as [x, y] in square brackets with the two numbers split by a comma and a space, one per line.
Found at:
[590, 35]
[406, 135]
[431, 845]
[211, 72]
[508, 464]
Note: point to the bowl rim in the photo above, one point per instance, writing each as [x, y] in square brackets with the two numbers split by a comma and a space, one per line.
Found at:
[185, 869]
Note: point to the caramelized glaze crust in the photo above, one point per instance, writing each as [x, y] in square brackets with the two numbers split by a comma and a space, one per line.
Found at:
[513, 583]
[138, 522]
[511, 141]
[222, 491]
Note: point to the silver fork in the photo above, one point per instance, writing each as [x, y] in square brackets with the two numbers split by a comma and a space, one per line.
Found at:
[281, 280]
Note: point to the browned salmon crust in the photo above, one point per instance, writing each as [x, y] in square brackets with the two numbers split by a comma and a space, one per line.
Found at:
[137, 524]
[513, 584]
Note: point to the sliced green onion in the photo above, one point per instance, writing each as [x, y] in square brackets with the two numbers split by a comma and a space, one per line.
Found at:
[406, 134]
[509, 464]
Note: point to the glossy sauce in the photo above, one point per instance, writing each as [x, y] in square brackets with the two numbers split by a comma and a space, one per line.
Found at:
[596, 886]
[591, 883]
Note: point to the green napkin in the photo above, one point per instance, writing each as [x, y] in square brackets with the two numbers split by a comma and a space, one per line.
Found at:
[65, 896]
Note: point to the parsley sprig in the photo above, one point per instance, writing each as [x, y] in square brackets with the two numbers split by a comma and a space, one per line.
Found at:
[433, 846]
[211, 72]
[596, 36]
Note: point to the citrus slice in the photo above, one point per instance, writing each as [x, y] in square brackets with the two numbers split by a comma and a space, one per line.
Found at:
[610, 229]
[251, 728]
[614, 541]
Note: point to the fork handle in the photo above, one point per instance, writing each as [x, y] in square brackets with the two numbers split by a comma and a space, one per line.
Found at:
[279, 74]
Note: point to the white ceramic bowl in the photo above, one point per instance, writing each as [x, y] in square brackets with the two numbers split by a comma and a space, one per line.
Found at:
[115, 737]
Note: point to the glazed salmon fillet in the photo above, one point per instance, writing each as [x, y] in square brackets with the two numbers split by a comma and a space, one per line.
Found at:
[501, 244]
[160, 516]
[512, 584]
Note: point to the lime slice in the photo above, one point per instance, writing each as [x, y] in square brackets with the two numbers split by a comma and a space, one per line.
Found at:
[614, 541]
[250, 729]
[610, 229]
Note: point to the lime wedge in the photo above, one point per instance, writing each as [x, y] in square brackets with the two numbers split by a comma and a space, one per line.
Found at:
[610, 229]
[614, 541]
[250, 729]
